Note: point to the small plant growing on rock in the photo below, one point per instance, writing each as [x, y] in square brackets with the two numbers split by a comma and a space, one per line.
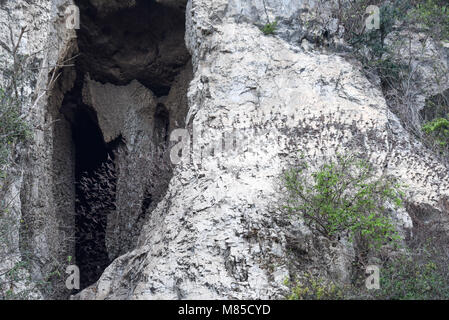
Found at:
[344, 198]
[269, 28]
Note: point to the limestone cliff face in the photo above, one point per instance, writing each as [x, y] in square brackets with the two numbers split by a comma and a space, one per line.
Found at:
[216, 232]
[213, 228]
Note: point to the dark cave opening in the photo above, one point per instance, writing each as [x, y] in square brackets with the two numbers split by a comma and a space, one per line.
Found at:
[119, 43]
[95, 184]
[95, 196]
[161, 125]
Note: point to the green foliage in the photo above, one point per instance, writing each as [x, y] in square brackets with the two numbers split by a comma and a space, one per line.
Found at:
[438, 131]
[388, 69]
[434, 15]
[344, 197]
[270, 28]
[405, 278]
[313, 288]
[12, 127]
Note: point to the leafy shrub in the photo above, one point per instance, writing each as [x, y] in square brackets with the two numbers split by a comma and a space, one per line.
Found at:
[438, 131]
[344, 197]
[313, 288]
[434, 15]
[406, 278]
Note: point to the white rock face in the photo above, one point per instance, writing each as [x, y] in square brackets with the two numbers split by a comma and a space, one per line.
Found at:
[217, 234]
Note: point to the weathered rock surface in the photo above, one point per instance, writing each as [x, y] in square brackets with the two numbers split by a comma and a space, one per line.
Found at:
[39, 190]
[215, 234]
[216, 230]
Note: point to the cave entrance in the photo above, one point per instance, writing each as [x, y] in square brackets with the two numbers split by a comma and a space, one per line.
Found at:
[121, 43]
[95, 187]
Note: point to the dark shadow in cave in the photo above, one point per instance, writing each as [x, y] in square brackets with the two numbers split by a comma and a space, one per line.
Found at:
[95, 197]
[95, 184]
[161, 125]
[144, 42]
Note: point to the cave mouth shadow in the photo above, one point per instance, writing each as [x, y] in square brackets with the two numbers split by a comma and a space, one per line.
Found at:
[95, 190]
[95, 182]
